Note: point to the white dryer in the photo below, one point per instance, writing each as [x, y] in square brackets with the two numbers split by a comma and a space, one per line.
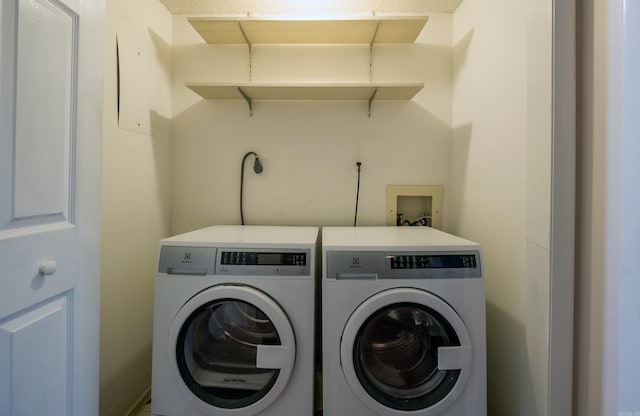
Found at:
[233, 330]
[403, 323]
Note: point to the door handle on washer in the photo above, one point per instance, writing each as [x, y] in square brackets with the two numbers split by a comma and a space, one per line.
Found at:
[274, 356]
[453, 358]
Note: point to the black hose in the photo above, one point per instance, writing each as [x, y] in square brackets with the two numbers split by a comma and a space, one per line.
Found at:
[257, 168]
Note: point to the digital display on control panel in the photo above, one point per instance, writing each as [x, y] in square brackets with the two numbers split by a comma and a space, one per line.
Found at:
[433, 261]
[252, 258]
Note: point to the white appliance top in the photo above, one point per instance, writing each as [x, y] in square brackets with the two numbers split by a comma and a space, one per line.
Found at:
[247, 235]
[392, 238]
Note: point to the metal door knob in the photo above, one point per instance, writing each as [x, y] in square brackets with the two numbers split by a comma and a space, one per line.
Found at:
[48, 268]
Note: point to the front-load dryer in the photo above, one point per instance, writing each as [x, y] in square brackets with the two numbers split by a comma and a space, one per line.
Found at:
[403, 323]
[233, 326]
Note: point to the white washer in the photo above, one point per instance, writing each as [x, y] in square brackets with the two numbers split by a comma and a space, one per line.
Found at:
[234, 322]
[403, 323]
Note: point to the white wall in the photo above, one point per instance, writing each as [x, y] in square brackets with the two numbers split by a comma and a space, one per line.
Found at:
[608, 288]
[135, 200]
[501, 185]
[308, 149]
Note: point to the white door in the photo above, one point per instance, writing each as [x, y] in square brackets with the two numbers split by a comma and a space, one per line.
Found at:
[50, 129]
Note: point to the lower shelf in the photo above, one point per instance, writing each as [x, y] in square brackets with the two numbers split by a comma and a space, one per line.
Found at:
[320, 91]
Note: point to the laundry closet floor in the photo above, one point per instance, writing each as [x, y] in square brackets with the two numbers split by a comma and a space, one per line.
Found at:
[145, 411]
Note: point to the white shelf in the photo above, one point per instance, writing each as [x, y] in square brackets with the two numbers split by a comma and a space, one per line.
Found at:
[302, 91]
[308, 91]
[369, 30]
[250, 31]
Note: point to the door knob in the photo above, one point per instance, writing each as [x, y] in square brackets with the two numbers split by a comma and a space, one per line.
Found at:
[48, 268]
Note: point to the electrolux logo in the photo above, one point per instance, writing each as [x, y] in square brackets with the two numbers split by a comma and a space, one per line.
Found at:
[355, 263]
[187, 258]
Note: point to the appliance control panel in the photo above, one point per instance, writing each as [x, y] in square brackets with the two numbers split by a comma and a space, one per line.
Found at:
[265, 262]
[432, 261]
[252, 258]
[403, 265]
[203, 261]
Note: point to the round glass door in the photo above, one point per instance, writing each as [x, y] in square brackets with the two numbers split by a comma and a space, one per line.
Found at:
[406, 351]
[217, 350]
[396, 356]
[234, 349]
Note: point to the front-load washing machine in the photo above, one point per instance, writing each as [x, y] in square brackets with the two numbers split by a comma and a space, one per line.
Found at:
[403, 323]
[233, 330]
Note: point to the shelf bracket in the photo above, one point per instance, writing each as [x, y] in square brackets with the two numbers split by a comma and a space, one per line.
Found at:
[375, 91]
[250, 45]
[248, 100]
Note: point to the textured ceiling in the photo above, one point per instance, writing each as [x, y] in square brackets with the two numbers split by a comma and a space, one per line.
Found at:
[283, 7]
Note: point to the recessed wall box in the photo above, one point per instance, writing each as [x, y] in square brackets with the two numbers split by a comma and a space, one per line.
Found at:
[414, 205]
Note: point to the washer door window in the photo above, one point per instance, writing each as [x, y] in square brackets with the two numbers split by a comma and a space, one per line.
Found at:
[234, 349]
[405, 350]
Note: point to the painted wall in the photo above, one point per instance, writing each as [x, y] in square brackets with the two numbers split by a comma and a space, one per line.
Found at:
[308, 149]
[501, 185]
[135, 197]
[607, 286]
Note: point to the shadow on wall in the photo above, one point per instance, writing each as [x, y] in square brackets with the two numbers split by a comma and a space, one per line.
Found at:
[129, 384]
[507, 366]
[460, 144]
[461, 140]
[460, 53]
[161, 146]
[162, 50]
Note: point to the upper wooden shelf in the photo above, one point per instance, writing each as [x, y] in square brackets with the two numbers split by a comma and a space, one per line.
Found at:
[370, 30]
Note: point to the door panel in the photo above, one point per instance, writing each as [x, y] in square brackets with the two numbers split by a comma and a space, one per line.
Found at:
[46, 70]
[22, 255]
[39, 137]
[37, 363]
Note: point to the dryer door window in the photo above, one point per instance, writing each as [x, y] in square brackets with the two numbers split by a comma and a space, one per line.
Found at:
[396, 356]
[217, 350]
[234, 350]
[405, 350]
